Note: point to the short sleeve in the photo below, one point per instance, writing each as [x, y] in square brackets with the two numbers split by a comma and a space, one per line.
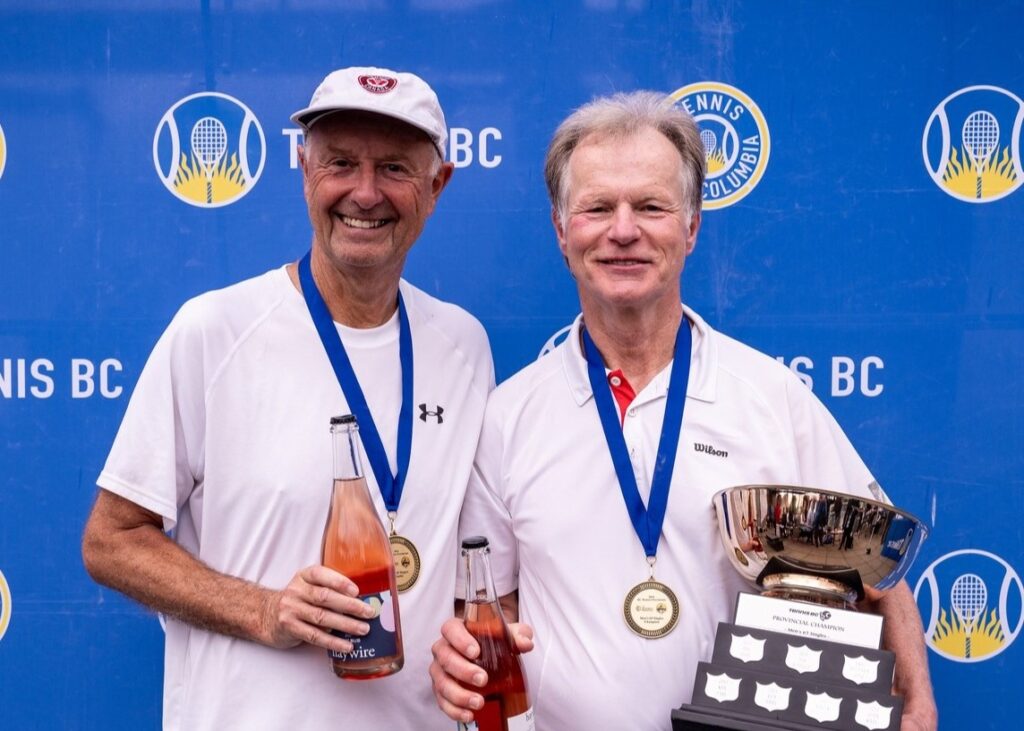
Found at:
[157, 456]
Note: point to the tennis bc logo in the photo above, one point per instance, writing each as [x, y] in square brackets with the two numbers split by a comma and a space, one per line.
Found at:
[971, 602]
[5, 605]
[971, 144]
[206, 149]
[735, 137]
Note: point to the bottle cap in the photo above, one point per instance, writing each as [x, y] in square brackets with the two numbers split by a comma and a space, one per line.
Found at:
[474, 542]
[344, 419]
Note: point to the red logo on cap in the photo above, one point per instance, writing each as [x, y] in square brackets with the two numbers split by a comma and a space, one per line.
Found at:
[378, 84]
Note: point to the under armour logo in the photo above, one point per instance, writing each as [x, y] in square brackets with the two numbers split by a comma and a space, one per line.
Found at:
[437, 414]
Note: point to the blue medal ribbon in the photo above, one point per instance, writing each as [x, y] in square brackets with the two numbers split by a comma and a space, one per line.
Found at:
[647, 521]
[390, 485]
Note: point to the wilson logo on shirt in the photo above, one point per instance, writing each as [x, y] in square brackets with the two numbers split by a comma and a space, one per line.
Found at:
[708, 449]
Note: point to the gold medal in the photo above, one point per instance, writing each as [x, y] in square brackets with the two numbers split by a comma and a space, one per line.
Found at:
[407, 561]
[405, 556]
[651, 609]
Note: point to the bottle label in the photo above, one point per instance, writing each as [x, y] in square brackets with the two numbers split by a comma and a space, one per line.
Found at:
[488, 718]
[380, 641]
[522, 722]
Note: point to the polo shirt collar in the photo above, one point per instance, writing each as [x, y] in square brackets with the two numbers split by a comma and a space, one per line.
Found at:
[703, 364]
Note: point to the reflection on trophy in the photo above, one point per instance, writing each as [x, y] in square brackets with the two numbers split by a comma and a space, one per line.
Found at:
[798, 654]
[815, 545]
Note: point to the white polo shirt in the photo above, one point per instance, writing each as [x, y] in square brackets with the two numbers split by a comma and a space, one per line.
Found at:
[544, 491]
[227, 437]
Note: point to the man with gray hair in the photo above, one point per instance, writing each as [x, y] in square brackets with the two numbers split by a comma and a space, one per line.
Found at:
[576, 481]
[226, 442]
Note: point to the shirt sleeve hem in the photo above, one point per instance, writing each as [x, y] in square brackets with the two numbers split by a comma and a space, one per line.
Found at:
[121, 488]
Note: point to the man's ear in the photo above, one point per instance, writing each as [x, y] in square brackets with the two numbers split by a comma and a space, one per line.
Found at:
[691, 234]
[300, 155]
[441, 180]
[438, 184]
[556, 221]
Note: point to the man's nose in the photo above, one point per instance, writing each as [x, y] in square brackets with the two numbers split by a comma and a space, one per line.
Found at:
[367, 193]
[624, 229]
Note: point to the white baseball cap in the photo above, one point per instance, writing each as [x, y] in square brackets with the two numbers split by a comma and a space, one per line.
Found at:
[396, 94]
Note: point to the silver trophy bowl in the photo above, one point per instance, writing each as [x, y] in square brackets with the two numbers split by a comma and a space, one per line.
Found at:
[815, 545]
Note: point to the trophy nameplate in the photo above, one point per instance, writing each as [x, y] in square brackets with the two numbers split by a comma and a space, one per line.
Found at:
[802, 619]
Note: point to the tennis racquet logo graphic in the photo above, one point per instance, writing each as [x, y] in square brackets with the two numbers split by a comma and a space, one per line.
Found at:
[980, 135]
[968, 597]
[971, 603]
[714, 156]
[983, 163]
[710, 141]
[209, 150]
[209, 143]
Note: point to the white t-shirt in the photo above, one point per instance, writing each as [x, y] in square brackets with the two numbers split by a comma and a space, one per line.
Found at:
[544, 491]
[227, 437]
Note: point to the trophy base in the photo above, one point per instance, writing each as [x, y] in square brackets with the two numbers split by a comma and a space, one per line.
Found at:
[695, 718]
[811, 596]
[777, 680]
[830, 586]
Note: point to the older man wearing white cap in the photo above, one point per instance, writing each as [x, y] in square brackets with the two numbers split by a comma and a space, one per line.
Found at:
[225, 445]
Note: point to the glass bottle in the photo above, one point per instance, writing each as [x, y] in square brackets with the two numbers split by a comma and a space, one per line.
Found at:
[506, 695]
[354, 544]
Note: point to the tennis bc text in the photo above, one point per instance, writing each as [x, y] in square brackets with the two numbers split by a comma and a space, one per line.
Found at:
[40, 378]
[849, 376]
[465, 147]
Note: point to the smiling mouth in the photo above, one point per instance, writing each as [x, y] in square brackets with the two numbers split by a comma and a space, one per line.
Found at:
[623, 262]
[364, 223]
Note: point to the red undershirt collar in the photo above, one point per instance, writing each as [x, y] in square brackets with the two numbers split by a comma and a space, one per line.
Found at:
[623, 392]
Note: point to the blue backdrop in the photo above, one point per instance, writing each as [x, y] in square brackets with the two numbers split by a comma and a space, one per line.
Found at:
[862, 225]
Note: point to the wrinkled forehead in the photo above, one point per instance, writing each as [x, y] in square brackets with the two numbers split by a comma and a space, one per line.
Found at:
[347, 126]
[618, 141]
[630, 155]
